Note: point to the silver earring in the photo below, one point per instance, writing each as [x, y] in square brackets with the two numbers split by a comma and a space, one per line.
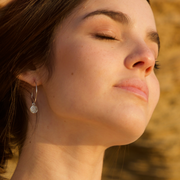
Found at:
[34, 108]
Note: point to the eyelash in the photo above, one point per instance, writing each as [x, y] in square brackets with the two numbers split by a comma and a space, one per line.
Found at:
[105, 37]
[157, 65]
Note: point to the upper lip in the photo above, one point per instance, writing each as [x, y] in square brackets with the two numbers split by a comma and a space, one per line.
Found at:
[134, 82]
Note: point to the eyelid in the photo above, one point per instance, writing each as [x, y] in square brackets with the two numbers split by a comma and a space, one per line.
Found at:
[105, 35]
[104, 26]
[156, 53]
[108, 32]
[154, 49]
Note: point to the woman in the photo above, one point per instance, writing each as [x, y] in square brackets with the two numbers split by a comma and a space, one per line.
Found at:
[76, 78]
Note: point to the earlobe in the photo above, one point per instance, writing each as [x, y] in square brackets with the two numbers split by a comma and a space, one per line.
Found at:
[30, 77]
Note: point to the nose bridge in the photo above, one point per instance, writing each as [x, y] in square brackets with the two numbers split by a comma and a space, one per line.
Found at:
[141, 58]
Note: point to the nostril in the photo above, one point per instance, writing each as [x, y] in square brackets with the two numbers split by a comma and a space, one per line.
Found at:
[148, 70]
[139, 63]
[142, 65]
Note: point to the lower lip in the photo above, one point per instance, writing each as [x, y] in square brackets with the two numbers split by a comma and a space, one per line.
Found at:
[136, 91]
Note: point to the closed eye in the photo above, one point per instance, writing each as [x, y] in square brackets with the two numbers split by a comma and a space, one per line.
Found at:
[104, 37]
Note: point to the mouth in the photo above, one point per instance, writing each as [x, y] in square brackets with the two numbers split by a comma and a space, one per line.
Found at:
[136, 87]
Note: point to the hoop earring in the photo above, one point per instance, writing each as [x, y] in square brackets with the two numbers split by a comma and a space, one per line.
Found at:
[34, 108]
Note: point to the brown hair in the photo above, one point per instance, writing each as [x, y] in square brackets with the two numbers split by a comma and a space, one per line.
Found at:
[26, 30]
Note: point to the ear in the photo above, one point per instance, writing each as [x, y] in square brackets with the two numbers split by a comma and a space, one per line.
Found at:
[30, 77]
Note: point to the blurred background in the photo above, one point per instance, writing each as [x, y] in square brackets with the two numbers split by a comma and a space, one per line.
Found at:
[156, 155]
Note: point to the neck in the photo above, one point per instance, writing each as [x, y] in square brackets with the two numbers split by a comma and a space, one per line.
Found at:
[56, 154]
[60, 149]
[46, 161]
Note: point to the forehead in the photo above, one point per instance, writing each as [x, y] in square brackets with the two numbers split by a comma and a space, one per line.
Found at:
[139, 11]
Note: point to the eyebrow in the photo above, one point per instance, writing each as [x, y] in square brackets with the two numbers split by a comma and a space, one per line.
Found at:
[116, 16]
[123, 19]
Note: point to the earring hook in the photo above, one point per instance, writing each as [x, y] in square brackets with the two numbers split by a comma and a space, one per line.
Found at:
[34, 108]
[32, 95]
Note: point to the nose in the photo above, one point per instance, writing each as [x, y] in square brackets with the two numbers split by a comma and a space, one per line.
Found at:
[140, 58]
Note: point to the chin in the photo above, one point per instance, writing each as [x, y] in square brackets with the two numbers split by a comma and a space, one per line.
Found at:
[128, 138]
[126, 131]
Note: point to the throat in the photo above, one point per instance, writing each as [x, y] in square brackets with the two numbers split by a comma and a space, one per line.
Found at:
[47, 161]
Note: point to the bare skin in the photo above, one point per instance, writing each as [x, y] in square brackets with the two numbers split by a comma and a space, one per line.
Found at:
[83, 108]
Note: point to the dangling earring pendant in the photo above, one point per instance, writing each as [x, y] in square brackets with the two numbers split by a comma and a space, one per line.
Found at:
[34, 108]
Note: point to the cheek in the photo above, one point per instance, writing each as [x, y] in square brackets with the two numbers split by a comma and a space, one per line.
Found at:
[83, 72]
[154, 92]
[87, 62]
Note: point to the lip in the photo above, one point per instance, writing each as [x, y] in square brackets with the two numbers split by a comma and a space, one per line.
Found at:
[135, 86]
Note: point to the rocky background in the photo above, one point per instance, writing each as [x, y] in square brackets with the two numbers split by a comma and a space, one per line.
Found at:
[156, 155]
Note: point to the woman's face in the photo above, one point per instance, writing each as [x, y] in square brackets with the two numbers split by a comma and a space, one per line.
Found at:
[104, 56]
